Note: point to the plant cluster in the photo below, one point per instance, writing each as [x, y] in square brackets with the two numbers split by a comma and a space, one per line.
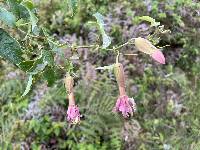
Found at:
[45, 65]
[49, 38]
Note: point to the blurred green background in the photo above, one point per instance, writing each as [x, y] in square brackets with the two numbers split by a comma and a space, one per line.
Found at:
[167, 96]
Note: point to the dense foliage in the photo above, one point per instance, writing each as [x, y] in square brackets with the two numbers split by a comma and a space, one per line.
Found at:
[48, 34]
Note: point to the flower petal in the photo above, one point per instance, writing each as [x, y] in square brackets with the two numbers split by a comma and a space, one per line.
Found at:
[73, 114]
[158, 56]
[125, 105]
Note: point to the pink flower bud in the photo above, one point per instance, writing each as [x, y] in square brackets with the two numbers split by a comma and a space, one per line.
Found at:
[144, 46]
[158, 56]
[147, 47]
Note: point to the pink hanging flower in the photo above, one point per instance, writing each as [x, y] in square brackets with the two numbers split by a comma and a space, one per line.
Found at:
[125, 105]
[158, 56]
[73, 114]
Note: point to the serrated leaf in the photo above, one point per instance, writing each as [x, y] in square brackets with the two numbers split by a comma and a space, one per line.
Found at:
[24, 11]
[38, 67]
[110, 67]
[49, 75]
[33, 18]
[54, 46]
[10, 48]
[48, 57]
[73, 5]
[34, 21]
[20, 22]
[19, 10]
[7, 17]
[29, 4]
[26, 65]
[106, 40]
[29, 84]
[100, 22]
[150, 20]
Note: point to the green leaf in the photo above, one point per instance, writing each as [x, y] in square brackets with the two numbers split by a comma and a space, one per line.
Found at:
[73, 5]
[39, 64]
[25, 12]
[19, 10]
[33, 19]
[7, 17]
[33, 69]
[54, 46]
[57, 131]
[29, 4]
[29, 84]
[100, 22]
[20, 22]
[26, 65]
[48, 57]
[10, 48]
[106, 40]
[37, 67]
[150, 20]
[49, 75]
